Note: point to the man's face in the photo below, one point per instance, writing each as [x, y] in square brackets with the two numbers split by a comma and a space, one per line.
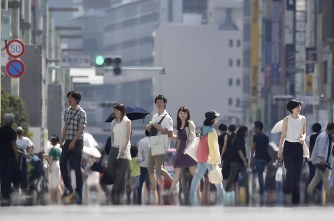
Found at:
[160, 104]
[71, 101]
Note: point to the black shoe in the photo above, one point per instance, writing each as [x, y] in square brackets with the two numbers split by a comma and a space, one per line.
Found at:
[77, 198]
[67, 197]
[5, 201]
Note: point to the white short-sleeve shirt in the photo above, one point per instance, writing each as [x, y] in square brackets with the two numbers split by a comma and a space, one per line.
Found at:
[167, 122]
[23, 143]
[143, 146]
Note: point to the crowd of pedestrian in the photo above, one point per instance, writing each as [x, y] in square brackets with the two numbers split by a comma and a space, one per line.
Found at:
[220, 168]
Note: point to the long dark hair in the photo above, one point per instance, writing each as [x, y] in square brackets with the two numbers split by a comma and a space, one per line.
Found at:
[232, 129]
[240, 135]
[121, 108]
[179, 121]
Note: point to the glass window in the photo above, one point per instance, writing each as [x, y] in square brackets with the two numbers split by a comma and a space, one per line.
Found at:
[230, 82]
[238, 82]
[238, 43]
[238, 62]
[230, 43]
[230, 62]
[237, 102]
[230, 101]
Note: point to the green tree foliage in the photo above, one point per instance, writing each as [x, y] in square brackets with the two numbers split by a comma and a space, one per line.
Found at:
[15, 105]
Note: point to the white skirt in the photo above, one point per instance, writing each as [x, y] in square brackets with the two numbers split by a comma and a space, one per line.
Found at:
[54, 177]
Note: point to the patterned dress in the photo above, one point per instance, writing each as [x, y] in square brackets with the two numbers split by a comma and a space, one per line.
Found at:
[183, 160]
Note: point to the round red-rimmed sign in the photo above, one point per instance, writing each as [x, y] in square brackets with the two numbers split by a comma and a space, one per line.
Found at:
[15, 68]
[15, 48]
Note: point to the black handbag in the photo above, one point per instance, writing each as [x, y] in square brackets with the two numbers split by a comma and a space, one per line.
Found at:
[108, 178]
[97, 166]
[323, 166]
[154, 131]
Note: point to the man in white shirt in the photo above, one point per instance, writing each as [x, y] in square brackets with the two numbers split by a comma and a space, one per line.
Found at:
[155, 163]
[25, 147]
[321, 158]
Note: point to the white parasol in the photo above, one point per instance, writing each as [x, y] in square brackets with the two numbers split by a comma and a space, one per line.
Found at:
[278, 127]
[90, 146]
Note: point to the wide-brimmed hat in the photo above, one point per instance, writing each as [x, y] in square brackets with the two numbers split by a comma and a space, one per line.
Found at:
[19, 129]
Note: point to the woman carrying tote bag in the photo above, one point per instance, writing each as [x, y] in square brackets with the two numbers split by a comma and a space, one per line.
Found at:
[208, 156]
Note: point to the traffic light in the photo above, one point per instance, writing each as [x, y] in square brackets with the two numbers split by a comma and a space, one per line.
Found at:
[115, 62]
[99, 60]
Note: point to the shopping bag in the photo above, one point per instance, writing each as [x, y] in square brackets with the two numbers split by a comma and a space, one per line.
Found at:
[191, 150]
[229, 198]
[159, 144]
[306, 151]
[215, 175]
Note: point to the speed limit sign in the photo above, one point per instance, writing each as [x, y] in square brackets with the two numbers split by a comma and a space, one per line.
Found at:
[15, 48]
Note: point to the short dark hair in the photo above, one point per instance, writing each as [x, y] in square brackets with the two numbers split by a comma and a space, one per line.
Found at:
[222, 127]
[259, 125]
[292, 105]
[121, 108]
[76, 95]
[160, 97]
[133, 151]
[316, 127]
[330, 126]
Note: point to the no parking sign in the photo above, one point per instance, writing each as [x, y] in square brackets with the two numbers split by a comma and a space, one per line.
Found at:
[15, 68]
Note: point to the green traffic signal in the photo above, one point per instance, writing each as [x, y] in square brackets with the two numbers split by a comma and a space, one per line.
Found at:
[99, 60]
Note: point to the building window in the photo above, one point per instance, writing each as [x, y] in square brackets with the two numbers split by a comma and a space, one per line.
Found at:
[238, 43]
[238, 62]
[238, 82]
[230, 62]
[230, 43]
[237, 102]
[230, 101]
[230, 82]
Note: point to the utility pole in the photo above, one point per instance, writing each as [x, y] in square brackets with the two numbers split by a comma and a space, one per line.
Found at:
[15, 15]
[27, 22]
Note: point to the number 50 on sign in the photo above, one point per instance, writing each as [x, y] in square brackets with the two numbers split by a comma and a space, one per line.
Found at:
[15, 48]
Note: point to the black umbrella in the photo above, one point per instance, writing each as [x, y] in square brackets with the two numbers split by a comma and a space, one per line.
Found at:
[133, 113]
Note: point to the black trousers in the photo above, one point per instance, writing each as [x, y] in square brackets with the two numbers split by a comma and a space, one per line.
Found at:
[293, 161]
[73, 157]
[21, 179]
[8, 167]
[122, 168]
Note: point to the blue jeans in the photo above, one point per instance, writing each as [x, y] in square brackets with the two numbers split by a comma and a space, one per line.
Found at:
[200, 171]
[259, 165]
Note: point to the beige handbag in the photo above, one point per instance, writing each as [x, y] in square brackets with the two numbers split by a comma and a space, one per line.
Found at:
[191, 150]
[215, 175]
[306, 151]
[159, 144]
